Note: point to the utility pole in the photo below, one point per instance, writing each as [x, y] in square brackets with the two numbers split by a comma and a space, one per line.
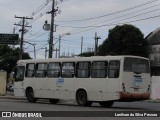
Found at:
[52, 12]
[59, 54]
[22, 34]
[81, 44]
[96, 44]
[46, 52]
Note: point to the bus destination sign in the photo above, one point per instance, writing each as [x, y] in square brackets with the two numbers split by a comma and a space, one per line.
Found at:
[11, 39]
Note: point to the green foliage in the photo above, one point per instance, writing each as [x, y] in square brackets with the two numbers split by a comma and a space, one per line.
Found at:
[9, 57]
[124, 40]
[86, 54]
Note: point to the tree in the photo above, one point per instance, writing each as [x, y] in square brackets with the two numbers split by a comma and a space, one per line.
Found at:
[124, 40]
[9, 57]
[86, 54]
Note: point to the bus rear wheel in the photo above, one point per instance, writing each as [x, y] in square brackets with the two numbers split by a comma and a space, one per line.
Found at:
[106, 104]
[81, 98]
[53, 101]
[30, 95]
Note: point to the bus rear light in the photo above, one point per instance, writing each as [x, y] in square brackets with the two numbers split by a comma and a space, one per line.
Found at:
[123, 87]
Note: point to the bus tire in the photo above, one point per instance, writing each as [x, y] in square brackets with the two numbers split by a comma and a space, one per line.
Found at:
[81, 98]
[106, 104]
[53, 101]
[30, 96]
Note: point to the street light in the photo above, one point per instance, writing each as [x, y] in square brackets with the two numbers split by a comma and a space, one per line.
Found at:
[34, 48]
[60, 36]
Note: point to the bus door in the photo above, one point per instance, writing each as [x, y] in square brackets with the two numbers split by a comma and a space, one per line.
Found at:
[136, 75]
[65, 84]
[40, 80]
[113, 80]
[19, 84]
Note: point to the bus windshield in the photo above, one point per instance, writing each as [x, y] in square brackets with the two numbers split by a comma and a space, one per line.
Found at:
[136, 65]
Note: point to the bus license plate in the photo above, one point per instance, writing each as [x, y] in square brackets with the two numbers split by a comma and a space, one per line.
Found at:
[137, 81]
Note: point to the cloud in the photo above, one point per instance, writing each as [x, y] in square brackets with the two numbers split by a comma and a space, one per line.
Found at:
[74, 10]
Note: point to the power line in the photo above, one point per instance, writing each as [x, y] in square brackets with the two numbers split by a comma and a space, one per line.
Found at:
[119, 17]
[36, 11]
[44, 12]
[118, 23]
[92, 27]
[117, 20]
[40, 8]
[120, 11]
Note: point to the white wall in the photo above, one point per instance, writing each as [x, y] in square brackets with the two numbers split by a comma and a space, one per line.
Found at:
[3, 76]
[155, 88]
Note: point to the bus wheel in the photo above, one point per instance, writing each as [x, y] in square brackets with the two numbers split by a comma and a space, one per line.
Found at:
[53, 101]
[30, 96]
[81, 98]
[106, 104]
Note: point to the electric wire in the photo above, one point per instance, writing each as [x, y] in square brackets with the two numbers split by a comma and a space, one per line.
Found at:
[120, 11]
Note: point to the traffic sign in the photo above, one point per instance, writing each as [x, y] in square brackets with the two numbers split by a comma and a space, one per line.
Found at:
[11, 39]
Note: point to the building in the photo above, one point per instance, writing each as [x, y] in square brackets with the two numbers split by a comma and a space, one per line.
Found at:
[154, 55]
[154, 51]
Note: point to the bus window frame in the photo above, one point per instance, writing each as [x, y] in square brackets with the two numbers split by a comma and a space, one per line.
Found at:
[131, 70]
[23, 75]
[36, 69]
[89, 69]
[59, 74]
[26, 74]
[73, 75]
[118, 70]
[105, 69]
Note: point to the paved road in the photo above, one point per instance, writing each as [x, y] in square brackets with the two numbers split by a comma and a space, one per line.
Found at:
[44, 105]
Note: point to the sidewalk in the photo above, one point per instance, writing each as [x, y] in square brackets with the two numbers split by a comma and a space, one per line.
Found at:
[10, 95]
[155, 101]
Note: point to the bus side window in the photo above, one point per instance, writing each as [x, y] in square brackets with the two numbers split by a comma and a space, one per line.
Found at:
[41, 69]
[68, 69]
[83, 70]
[114, 68]
[54, 70]
[30, 68]
[99, 69]
[19, 73]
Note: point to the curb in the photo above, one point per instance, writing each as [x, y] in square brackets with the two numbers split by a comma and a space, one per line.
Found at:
[12, 97]
[153, 101]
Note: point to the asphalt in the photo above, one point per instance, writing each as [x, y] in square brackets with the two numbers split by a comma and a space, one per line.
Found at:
[10, 95]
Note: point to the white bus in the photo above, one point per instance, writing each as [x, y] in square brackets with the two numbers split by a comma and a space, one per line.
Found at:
[102, 79]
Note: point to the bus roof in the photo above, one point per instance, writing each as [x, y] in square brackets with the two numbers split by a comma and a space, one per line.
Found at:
[93, 58]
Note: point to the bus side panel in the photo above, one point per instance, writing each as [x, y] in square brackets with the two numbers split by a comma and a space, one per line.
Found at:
[112, 88]
[50, 87]
[94, 87]
[65, 88]
[38, 85]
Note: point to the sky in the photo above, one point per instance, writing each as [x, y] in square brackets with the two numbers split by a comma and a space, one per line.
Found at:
[80, 18]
